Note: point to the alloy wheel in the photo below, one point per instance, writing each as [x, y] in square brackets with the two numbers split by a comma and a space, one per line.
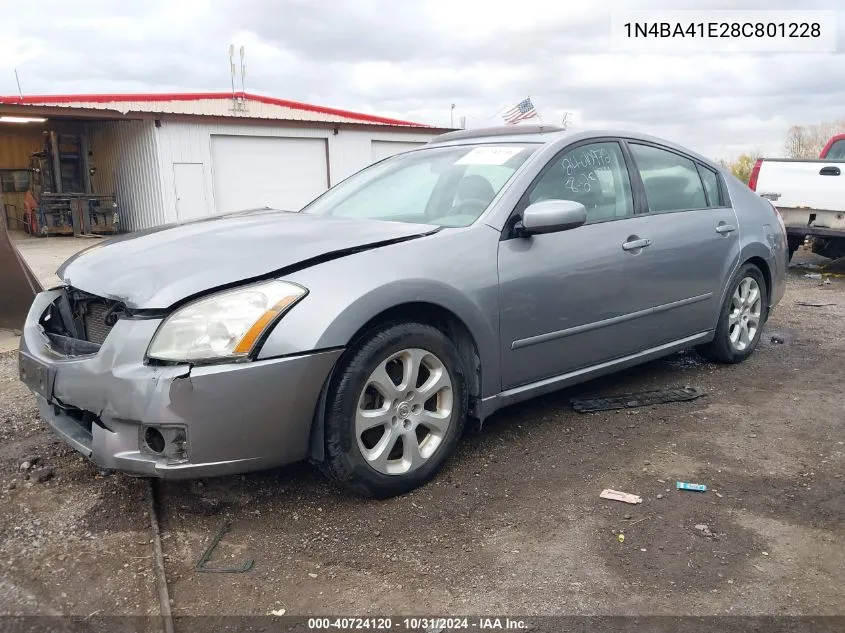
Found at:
[404, 411]
[744, 316]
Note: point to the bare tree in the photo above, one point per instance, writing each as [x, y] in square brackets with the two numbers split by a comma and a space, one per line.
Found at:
[808, 141]
[797, 143]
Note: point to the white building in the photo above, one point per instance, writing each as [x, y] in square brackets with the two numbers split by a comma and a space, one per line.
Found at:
[177, 157]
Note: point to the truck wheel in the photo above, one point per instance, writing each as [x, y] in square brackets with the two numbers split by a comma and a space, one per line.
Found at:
[395, 410]
[741, 319]
[794, 242]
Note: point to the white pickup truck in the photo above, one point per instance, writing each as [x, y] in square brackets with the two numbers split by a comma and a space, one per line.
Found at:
[810, 196]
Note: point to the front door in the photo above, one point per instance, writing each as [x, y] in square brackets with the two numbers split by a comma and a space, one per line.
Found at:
[189, 181]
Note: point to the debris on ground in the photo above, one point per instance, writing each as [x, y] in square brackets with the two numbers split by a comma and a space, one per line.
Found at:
[616, 495]
[810, 304]
[683, 485]
[703, 529]
[620, 538]
[201, 563]
[40, 475]
[29, 461]
[778, 340]
[629, 400]
[277, 612]
[812, 276]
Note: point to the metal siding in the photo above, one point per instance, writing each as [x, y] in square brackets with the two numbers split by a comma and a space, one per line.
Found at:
[125, 155]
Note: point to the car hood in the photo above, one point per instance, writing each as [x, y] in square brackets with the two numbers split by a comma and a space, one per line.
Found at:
[156, 268]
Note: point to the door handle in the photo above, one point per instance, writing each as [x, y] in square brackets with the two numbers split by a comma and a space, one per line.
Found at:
[634, 244]
[829, 171]
[724, 229]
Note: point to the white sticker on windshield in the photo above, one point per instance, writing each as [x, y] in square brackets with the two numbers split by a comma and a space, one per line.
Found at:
[489, 156]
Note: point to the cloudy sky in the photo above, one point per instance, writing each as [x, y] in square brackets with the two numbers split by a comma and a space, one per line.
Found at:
[413, 58]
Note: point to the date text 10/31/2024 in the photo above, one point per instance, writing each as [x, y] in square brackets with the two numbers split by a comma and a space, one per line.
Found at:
[418, 624]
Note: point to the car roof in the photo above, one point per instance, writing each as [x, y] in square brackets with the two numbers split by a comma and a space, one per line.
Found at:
[547, 134]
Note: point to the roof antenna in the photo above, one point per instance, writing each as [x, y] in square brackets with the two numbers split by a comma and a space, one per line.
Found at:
[18, 79]
[243, 70]
[232, 73]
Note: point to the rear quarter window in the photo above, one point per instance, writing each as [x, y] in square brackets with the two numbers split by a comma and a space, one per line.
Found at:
[711, 186]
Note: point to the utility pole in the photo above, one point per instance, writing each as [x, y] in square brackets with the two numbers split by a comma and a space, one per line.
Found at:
[452, 116]
[20, 93]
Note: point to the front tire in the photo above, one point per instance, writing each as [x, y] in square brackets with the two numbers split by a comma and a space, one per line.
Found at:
[395, 410]
[741, 320]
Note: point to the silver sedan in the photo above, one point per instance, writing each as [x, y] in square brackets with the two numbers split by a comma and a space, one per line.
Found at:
[438, 285]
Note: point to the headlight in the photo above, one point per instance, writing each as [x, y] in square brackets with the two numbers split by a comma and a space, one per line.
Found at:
[225, 325]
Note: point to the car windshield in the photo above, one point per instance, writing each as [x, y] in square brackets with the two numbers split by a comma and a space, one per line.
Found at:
[444, 186]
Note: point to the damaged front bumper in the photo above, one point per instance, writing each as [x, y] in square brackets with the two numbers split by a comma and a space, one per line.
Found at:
[174, 421]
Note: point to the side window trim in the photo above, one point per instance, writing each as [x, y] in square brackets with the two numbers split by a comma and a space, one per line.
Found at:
[725, 199]
[635, 141]
[516, 213]
[707, 200]
[637, 186]
[722, 202]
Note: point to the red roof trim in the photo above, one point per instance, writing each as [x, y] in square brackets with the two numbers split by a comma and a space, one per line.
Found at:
[195, 96]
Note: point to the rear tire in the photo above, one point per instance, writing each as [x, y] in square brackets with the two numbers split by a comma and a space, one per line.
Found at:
[395, 410]
[741, 319]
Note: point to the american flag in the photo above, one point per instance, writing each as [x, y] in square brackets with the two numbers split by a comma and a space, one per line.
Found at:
[522, 110]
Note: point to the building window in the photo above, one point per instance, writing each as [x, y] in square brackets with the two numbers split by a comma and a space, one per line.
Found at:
[14, 180]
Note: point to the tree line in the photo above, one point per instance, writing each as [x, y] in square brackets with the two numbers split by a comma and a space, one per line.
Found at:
[802, 141]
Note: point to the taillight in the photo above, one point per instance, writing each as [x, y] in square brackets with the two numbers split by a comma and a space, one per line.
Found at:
[755, 173]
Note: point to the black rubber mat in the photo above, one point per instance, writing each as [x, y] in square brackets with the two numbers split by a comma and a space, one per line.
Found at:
[630, 400]
[16, 294]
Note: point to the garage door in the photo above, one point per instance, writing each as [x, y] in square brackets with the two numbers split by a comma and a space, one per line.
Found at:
[250, 172]
[383, 149]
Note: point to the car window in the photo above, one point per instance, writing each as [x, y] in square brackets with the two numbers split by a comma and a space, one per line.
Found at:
[594, 175]
[711, 186]
[836, 151]
[406, 193]
[444, 186]
[671, 181]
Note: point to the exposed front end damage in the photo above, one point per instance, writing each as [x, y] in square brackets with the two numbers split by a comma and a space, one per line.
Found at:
[84, 358]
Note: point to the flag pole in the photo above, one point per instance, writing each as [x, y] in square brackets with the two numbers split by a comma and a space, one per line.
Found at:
[539, 116]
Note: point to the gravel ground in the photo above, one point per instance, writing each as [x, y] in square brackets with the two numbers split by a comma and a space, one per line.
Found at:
[514, 524]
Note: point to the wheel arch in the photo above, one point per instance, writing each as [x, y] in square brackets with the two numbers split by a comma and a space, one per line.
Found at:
[763, 265]
[424, 312]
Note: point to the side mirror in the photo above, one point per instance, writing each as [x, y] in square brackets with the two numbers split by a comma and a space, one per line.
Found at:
[551, 216]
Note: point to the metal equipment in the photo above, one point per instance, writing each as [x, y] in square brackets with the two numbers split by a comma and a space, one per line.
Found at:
[60, 201]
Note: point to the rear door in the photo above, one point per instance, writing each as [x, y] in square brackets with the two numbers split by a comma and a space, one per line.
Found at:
[694, 237]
